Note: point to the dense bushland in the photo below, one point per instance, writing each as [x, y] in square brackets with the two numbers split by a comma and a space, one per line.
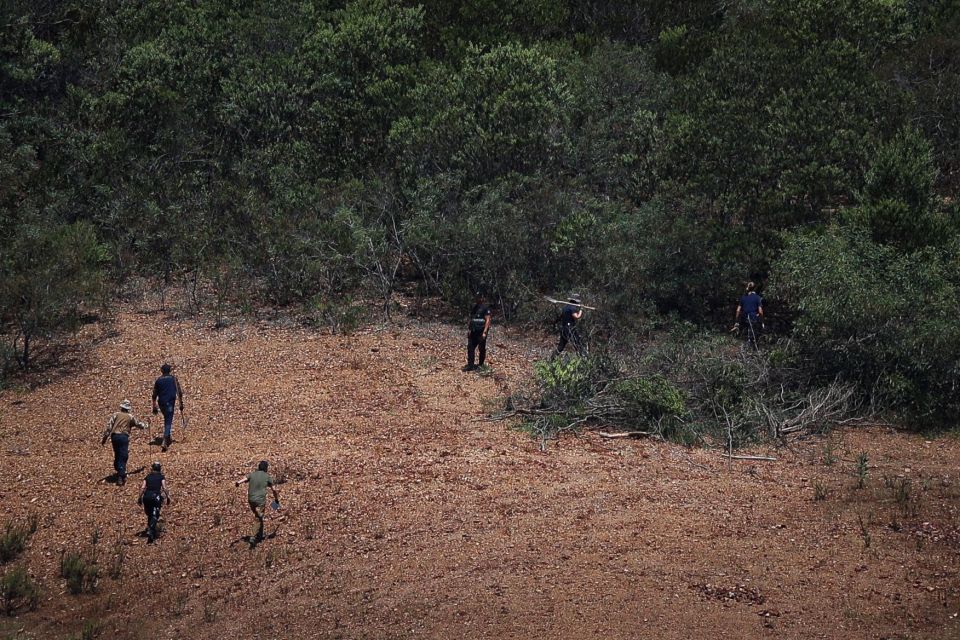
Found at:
[315, 154]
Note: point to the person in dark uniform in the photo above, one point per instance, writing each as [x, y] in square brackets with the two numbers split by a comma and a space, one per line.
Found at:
[477, 332]
[118, 431]
[571, 314]
[153, 493]
[166, 392]
[749, 316]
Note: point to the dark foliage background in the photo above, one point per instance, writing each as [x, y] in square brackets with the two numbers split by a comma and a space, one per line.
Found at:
[657, 154]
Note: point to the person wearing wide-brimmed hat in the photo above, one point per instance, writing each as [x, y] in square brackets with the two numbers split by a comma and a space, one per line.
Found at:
[118, 431]
[572, 312]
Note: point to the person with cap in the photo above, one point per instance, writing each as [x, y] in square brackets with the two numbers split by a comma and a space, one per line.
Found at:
[749, 315]
[166, 391]
[257, 482]
[571, 314]
[477, 331]
[153, 494]
[118, 431]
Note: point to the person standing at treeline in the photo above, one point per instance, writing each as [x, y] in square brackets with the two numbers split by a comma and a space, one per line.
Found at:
[571, 314]
[166, 392]
[477, 331]
[749, 314]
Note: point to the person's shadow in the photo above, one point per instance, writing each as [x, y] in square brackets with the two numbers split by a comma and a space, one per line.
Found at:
[253, 542]
[113, 478]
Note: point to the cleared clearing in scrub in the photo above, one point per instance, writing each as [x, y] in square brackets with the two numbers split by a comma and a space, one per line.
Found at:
[405, 516]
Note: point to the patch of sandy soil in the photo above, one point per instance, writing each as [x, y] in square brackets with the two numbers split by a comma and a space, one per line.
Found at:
[405, 515]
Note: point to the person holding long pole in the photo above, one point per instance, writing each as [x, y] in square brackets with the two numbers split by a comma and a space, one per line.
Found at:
[571, 314]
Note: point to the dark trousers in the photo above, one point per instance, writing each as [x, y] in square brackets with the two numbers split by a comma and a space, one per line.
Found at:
[151, 507]
[569, 334]
[121, 453]
[750, 328]
[475, 342]
[167, 411]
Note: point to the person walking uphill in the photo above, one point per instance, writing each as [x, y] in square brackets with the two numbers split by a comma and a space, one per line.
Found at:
[166, 391]
[749, 316]
[477, 332]
[118, 431]
[571, 314]
[153, 492]
[258, 482]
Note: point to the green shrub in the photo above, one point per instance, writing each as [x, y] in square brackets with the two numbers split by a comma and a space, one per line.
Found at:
[50, 274]
[340, 314]
[14, 539]
[878, 317]
[80, 573]
[566, 379]
[650, 399]
[17, 589]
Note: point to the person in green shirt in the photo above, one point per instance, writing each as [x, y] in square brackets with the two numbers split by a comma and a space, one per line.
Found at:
[258, 482]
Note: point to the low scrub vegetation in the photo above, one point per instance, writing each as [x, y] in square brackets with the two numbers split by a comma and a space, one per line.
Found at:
[18, 590]
[81, 573]
[685, 386]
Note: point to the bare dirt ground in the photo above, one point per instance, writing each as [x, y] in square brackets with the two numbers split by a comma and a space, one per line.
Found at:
[405, 515]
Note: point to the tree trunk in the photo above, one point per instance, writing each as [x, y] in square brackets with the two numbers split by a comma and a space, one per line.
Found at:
[25, 356]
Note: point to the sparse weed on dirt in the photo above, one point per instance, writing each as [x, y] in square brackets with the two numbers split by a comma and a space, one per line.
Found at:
[829, 457]
[14, 538]
[18, 590]
[864, 532]
[902, 492]
[271, 559]
[118, 557]
[92, 629]
[819, 491]
[81, 574]
[180, 605]
[210, 612]
[861, 469]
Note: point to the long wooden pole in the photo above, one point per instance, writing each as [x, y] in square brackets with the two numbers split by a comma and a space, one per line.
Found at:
[576, 304]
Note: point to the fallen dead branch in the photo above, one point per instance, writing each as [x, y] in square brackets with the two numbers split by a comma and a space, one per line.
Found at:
[623, 434]
[762, 458]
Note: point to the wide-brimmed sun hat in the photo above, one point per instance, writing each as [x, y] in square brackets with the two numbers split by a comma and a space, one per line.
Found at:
[126, 406]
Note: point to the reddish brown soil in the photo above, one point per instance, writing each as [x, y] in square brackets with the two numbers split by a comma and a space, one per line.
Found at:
[405, 515]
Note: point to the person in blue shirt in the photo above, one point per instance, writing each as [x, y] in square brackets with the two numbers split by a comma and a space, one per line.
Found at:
[166, 391]
[572, 312]
[749, 317]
